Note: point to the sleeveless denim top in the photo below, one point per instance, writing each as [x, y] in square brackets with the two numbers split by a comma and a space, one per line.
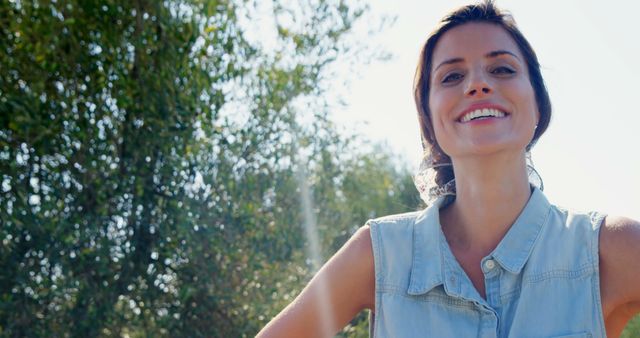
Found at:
[542, 280]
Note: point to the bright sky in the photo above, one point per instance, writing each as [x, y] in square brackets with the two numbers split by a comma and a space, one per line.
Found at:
[589, 157]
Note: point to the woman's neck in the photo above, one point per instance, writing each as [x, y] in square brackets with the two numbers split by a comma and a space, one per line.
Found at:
[490, 194]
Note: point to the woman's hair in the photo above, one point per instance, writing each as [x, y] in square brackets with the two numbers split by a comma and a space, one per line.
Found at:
[434, 158]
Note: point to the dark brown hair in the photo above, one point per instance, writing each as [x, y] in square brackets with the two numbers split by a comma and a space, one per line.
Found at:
[484, 12]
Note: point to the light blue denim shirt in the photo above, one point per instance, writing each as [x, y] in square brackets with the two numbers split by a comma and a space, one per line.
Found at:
[542, 280]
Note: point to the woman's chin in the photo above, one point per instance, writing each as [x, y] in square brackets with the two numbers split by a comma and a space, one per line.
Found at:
[489, 147]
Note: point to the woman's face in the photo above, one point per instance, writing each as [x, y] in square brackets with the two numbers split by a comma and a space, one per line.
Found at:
[480, 98]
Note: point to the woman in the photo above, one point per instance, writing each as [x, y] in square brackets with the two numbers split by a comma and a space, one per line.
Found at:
[490, 257]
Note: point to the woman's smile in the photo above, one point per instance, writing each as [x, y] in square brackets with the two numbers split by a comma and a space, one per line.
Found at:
[482, 111]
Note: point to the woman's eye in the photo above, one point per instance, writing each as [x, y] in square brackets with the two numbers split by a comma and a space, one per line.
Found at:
[503, 71]
[452, 77]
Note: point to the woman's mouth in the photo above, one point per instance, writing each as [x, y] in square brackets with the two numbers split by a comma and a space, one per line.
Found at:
[485, 113]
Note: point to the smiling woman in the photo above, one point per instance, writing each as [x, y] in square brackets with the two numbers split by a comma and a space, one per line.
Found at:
[517, 64]
[490, 256]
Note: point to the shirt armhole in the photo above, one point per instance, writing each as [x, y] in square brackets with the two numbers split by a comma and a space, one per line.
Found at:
[378, 268]
[597, 221]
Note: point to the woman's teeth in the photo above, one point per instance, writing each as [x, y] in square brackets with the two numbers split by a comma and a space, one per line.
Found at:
[480, 113]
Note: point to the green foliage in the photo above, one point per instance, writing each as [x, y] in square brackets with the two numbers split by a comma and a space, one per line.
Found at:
[148, 159]
[632, 329]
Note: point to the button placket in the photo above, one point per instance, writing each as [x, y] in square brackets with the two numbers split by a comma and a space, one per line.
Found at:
[492, 282]
[492, 290]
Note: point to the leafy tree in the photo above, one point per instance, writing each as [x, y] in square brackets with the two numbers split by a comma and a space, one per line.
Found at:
[149, 153]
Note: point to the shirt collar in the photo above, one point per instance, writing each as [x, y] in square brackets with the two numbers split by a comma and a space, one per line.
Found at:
[428, 270]
[514, 249]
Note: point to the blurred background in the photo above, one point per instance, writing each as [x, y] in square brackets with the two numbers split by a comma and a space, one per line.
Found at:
[182, 168]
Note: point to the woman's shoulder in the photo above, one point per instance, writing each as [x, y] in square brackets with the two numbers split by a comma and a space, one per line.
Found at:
[389, 231]
[617, 236]
[620, 233]
[620, 253]
[575, 217]
[619, 249]
[385, 228]
[401, 218]
[619, 256]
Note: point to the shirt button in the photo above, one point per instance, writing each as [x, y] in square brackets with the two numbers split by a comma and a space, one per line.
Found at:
[489, 264]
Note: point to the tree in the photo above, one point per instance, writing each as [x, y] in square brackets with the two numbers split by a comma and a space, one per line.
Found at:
[149, 153]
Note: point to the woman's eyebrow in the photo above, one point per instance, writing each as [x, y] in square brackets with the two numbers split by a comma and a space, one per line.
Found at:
[491, 54]
[448, 62]
[496, 53]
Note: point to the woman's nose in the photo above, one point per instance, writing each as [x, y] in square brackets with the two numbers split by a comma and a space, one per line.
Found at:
[478, 86]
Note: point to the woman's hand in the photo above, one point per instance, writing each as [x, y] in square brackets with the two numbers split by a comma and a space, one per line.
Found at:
[344, 286]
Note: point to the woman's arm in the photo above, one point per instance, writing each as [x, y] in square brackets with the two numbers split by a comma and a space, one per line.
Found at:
[344, 286]
[619, 271]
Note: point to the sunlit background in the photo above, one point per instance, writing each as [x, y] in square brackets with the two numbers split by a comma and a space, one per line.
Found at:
[183, 168]
[589, 157]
